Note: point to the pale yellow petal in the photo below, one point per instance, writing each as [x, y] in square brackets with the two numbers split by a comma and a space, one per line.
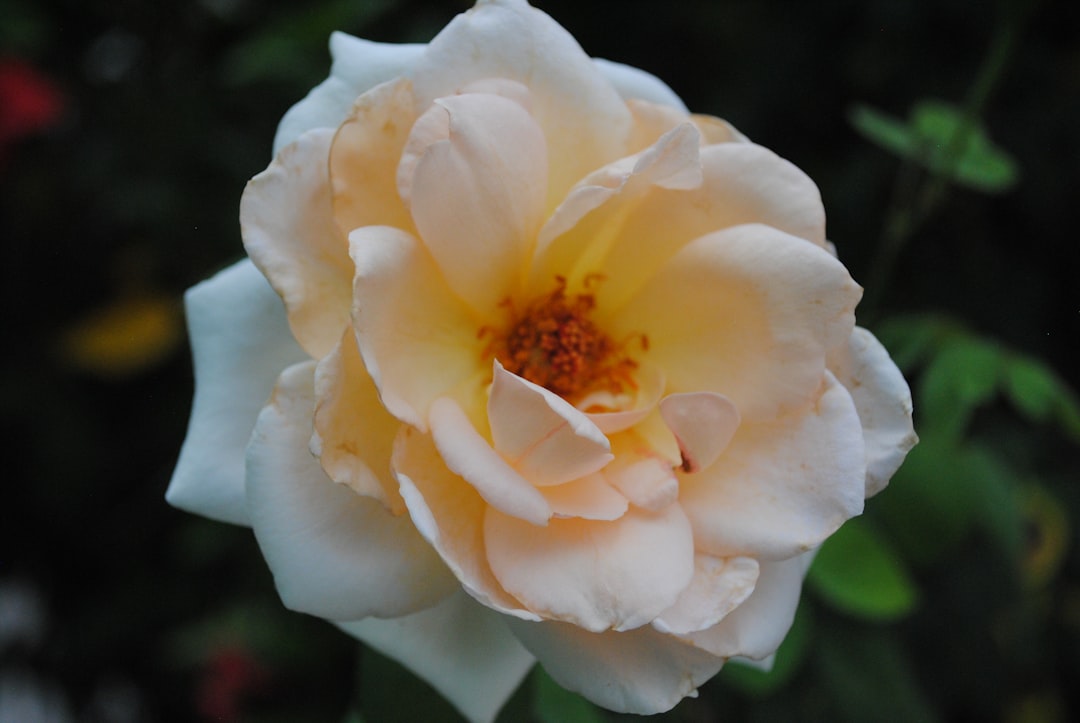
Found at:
[286, 219]
[354, 434]
[748, 313]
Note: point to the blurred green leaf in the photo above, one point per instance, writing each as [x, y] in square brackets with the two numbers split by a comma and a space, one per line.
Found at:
[282, 51]
[912, 340]
[938, 137]
[754, 681]
[858, 572]
[869, 676]
[1040, 395]
[554, 704]
[927, 506]
[963, 376]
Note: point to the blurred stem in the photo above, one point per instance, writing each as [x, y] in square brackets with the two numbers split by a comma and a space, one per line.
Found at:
[918, 193]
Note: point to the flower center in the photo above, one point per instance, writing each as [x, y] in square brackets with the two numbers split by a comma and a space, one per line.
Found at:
[553, 343]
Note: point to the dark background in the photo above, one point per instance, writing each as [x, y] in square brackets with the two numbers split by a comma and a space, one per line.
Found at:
[119, 188]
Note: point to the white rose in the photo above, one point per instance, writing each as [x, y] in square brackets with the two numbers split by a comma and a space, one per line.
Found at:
[563, 371]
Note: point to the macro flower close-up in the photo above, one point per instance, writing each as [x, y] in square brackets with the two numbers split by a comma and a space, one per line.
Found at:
[530, 364]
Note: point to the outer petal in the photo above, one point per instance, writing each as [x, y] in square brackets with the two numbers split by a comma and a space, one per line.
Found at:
[460, 647]
[358, 66]
[756, 628]
[450, 515]
[354, 434]
[748, 313]
[585, 121]
[240, 343]
[883, 401]
[286, 218]
[418, 340]
[596, 574]
[542, 435]
[640, 671]
[333, 553]
[478, 195]
[782, 487]
[633, 82]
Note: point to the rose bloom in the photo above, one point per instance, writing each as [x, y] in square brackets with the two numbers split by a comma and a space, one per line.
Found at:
[563, 372]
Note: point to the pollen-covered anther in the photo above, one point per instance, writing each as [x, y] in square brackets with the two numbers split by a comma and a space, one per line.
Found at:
[553, 342]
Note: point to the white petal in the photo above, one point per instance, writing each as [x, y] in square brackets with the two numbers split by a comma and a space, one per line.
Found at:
[756, 628]
[585, 121]
[359, 65]
[633, 82]
[287, 221]
[333, 553]
[883, 401]
[703, 423]
[240, 343]
[469, 456]
[460, 647]
[639, 671]
[781, 488]
[599, 575]
[542, 435]
[719, 586]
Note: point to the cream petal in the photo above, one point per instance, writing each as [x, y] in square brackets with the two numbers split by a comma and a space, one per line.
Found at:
[469, 456]
[449, 513]
[747, 312]
[286, 219]
[333, 553]
[240, 343]
[883, 401]
[358, 66]
[630, 409]
[703, 423]
[542, 435]
[719, 586]
[756, 628]
[624, 229]
[596, 574]
[354, 434]
[781, 487]
[478, 195]
[634, 83]
[417, 339]
[585, 121]
[461, 648]
[576, 241]
[364, 159]
[590, 498]
[647, 480]
[639, 671]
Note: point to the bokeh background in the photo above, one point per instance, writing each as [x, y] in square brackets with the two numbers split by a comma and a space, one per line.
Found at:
[945, 137]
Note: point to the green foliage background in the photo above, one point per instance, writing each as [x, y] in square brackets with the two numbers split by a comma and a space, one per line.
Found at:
[945, 137]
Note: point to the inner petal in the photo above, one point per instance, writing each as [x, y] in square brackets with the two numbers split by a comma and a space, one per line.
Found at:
[541, 435]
